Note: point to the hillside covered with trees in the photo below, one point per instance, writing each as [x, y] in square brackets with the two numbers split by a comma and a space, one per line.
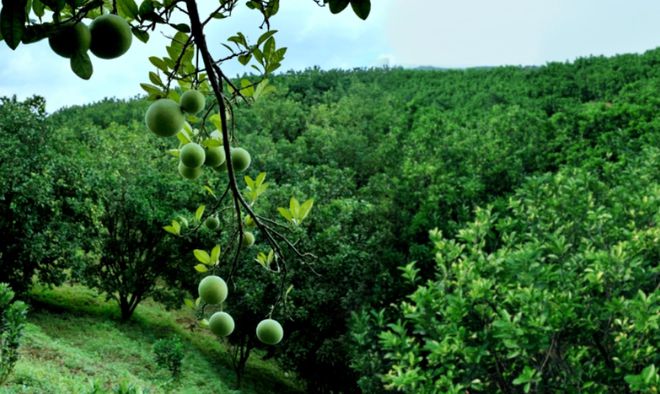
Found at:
[477, 230]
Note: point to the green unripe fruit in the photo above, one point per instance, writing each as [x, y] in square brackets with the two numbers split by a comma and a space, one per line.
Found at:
[111, 36]
[192, 155]
[192, 102]
[70, 40]
[212, 222]
[213, 289]
[248, 239]
[270, 332]
[214, 156]
[221, 324]
[189, 173]
[240, 159]
[164, 118]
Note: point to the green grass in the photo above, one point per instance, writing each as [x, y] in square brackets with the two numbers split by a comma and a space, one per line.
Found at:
[74, 343]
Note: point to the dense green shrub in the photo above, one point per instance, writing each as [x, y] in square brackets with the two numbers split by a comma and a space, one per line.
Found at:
[13, 316]
[168, 353]
[558, 293]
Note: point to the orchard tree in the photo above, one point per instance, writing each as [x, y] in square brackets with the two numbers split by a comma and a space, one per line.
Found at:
[36, 238]
[193, 101]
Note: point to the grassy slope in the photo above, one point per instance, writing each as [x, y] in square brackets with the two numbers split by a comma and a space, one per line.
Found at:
[73, 342]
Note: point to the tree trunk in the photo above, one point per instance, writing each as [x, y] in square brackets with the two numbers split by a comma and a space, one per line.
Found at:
[240, 357]
[127, 307]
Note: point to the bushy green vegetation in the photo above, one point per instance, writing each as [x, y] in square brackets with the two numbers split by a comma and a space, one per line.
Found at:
[12, 322]
[558, 293]
[541, 182]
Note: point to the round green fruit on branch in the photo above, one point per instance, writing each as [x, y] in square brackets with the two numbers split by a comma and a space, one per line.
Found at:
[212, 222]
[192, 102]
[189, 173]
[111, 36]
[192, 155]
[270, 332]
[240, 159]
[248, 239]
[164, 118]
[215, 156]
[212, 289]
[221, 324]
[70, 39]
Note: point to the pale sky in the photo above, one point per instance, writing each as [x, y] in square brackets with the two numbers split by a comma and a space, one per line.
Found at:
[408, 33]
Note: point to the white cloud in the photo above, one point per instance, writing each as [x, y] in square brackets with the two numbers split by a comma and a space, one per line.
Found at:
[487, 32]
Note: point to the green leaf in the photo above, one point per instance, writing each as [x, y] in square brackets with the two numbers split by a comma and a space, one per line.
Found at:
[294, 207]
[173, 95]
[269, 47]
[182, 27]
[337, 6]
[216, 121]
[81, 65]
[199, 212]
[247, 89]
[12, 21]
[244, 59]
[260, 178]
[215, 254]
[268, 35]
[171, 230]
[155, 79]
[187, 128]
[202, 256]
[153, 91]
[285, 213]
[146, 8]
[183, 137]
[211, 143]
[361, 8]
[305, 209]
[159, 63]
[263, 89]
[189, 303]
[249, 182]
[238, 39]
[127, 8]
[209, 190]
[261, 259]
[38, 8]
[272, 8]
[201, 268]
[140, 34]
